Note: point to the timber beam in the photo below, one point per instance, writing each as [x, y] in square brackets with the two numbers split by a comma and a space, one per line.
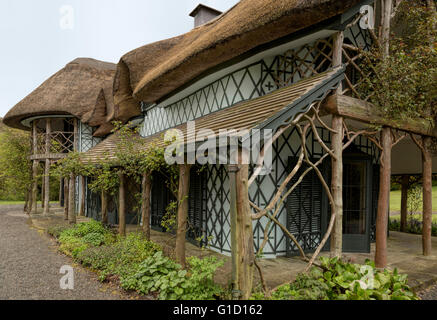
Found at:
[366, 112]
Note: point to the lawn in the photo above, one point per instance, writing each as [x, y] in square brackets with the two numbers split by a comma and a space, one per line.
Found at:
[415, 216]
[8, 202]
[395, 200]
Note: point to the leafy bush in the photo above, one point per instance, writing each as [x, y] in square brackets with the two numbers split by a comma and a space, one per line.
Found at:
[120, 258]
[338, 280]
[56, 230]
[162, 275]
[84, 228]
[78, 238]
[413, 226]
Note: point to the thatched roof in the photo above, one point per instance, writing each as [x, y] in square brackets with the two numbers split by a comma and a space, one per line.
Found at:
[245, 115]
[153, 71]
[83, 88]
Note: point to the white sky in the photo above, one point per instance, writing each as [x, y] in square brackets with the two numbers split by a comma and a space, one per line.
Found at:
[35, 42]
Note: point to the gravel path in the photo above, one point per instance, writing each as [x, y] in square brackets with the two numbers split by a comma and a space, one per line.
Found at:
[429, 294]
[30, 265]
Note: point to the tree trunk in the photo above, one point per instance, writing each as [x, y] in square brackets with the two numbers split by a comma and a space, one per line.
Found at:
[383, 200]
[28, 204]
[232, 171]
[246, 257]
[66, 198]
[404, 202]
[82, 196]
[122, 206]
[182, 215]
[104, 207]
[71, 204]
[43, 189]
[386, 19]
[145, 208]
[35, 187]
[427, 196]
[337, 186]
[47, 168]
[61, 188]
[47, 187]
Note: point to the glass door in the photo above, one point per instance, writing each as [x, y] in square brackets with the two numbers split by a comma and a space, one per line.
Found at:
[356, 206]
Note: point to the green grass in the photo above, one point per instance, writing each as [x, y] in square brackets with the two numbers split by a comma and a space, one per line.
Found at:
[395, 200]
[8, 202]
[415, 216]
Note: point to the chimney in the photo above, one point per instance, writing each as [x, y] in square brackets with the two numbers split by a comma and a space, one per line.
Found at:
[202, 14]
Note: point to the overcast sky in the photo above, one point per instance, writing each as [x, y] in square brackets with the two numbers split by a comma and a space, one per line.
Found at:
[37, 38]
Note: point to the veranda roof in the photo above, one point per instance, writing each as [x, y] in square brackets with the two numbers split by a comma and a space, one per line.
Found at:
[151, 72]
[269, 111]
[83, 88]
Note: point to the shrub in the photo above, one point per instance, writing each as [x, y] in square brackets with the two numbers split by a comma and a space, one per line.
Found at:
[120, 258]
[80, 237]
[56, 230]
[159, 274]
[338, 280]
[413, 226]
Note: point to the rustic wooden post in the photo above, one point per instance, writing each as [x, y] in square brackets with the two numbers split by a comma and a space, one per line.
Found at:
[405, 184]
[246, 255]
[35, 186]
[182, 214]
[35, 167]
[427, 195]
[387, 6]
[71, 204]
[121, 205]
[145, 208]
[82, 196]
[383, 199]
[43, 190]
[66, 198]
[104, 199]
[232, 171]
[47, 168]
[61, 189]
[337, 160]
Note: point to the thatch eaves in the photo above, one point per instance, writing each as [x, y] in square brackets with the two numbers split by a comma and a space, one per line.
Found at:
[83, 88]
[151, 72]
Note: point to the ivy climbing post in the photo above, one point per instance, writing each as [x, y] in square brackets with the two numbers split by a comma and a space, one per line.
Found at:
[104, 199]
[182, 212]
[383, 199]
[145, 208]
[82, 196]
[121, 205]
[244, 230]
[427, 195]
[47, 168]
[66, 198]
[71, 206]
[337, 159]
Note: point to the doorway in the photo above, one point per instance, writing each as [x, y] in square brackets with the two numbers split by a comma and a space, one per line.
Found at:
[356, 204]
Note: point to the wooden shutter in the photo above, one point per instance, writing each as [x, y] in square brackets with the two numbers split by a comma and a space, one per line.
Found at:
[304, 210]
[93, 202]
[196, 207]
